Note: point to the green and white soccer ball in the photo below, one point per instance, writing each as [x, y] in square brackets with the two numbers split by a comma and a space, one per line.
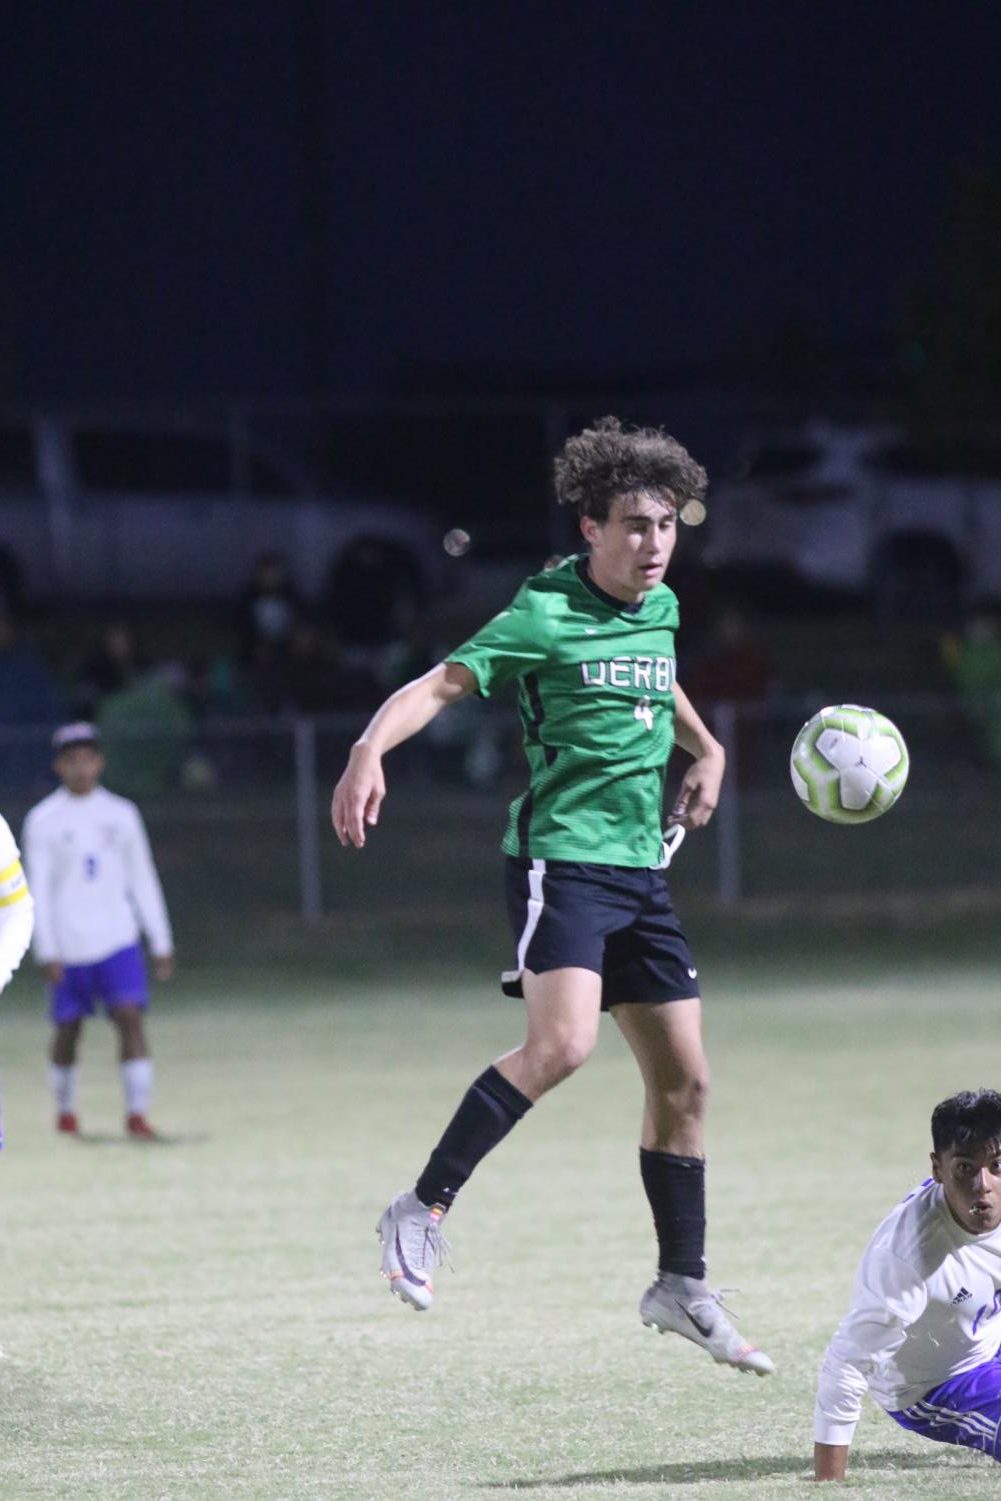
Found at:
[849, 764]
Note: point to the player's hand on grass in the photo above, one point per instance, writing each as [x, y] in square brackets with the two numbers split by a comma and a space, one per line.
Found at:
[163, 966]
[830, 1461]
[700, 789]
[358, 796]
[53, 972]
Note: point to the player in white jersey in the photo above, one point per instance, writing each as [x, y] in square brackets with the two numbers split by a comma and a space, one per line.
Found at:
[96, 891]
[923, 1331]
[17, 912]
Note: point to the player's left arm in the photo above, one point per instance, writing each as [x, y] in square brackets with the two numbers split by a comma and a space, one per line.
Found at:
[703, 781]
[147, 895]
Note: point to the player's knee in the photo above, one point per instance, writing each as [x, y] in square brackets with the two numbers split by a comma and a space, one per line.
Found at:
[561, 1055]
[576, 1050]
[695, 1093]
[686, 1097]
[129, 1022]
[64, 1043]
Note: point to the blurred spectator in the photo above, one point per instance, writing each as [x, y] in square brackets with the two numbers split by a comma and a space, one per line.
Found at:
[213, 685]
[11, 588]
[373, 597]
[28, 696]
[310, 677]
[146, 732]
[308, 680]
[113, 666]
[411, 656]
[974, 664]
[733, 667]
[266, 677]
[27, 692]
[470, 739]
[318, 680]
[268, 608]
[209, 687]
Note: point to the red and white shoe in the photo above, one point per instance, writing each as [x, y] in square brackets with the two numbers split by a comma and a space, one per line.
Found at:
[67, 1122]
[139, 1128]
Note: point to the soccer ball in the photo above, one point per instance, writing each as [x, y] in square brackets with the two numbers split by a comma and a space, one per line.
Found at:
[849, 764]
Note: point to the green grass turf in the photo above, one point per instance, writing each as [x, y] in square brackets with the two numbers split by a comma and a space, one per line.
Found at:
[203, 1318]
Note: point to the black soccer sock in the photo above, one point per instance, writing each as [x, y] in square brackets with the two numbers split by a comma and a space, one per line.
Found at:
[676, 1188]
[486, 1113]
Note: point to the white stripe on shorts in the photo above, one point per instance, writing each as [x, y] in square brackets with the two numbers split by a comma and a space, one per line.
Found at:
[536, 902]
[971, 1422]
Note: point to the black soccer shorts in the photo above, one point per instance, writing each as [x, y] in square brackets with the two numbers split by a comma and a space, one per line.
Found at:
[612, 919]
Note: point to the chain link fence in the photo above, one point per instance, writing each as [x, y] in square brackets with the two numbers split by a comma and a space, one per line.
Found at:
[239, 819]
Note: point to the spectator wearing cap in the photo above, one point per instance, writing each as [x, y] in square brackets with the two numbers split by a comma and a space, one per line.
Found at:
[97, 894]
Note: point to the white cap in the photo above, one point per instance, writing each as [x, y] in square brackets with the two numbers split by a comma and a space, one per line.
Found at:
[80, 732]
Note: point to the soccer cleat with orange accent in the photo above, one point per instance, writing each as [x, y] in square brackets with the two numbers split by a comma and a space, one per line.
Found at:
[67, 1122]
[685, 1306]
[412, 1248]
[139, 1128]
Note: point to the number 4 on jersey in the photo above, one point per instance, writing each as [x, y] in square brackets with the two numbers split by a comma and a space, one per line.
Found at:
[644, 711]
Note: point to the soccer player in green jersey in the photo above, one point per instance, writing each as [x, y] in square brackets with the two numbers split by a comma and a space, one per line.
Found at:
[591, 646]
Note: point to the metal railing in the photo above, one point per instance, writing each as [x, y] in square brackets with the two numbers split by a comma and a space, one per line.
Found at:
[238, 812]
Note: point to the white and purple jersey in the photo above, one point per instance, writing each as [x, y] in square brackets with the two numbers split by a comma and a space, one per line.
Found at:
[925, 1310]
[93, 878]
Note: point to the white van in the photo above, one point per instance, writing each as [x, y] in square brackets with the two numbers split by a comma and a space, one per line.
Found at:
[129, 510]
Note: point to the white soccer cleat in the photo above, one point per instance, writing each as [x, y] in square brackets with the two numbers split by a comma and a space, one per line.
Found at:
[682, 1305]
[413, 1246]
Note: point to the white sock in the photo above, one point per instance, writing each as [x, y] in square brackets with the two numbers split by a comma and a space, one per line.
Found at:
[63, 1082]
[137, 1082]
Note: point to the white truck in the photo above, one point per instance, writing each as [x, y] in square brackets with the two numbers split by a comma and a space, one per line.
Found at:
[865, 510]
[120, 510]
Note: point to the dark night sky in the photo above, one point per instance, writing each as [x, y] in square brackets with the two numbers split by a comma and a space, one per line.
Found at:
[210, 196]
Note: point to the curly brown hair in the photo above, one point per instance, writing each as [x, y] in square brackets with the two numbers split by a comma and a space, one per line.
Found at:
[608, 459]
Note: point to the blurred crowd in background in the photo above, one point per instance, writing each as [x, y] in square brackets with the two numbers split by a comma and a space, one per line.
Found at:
[270, 654]
[273, 655]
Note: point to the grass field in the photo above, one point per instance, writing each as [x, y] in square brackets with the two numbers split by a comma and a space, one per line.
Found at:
[203, 1318]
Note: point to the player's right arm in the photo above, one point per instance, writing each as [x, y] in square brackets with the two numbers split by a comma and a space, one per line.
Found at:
[360, 791]
[513, 642]
[887, 1298]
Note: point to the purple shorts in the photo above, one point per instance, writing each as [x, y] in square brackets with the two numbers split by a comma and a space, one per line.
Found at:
[119, 980]
[965, 1410]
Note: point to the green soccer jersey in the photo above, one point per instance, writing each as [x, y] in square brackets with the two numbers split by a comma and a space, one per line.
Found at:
[595, 694]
